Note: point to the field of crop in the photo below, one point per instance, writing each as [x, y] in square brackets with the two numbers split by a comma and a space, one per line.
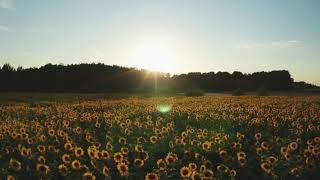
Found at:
[209, 137]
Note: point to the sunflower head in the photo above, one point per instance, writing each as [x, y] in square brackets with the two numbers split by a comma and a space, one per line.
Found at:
[185, 172]
[42, 168]
[138, 162]
[15, 164]
[105, 171]
[192, 166]
[118, 157]
[66, 158]
[151, 176]
[123, 169]
[88, 176]
[78, 151]
[63, 170]
[265, 167]
[161, 164]
[76, 165]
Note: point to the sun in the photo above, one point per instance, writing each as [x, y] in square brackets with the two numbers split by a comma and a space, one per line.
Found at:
[155, 55]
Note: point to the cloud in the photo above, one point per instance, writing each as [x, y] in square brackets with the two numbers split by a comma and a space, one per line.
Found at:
[5, 28]
[274, 44]
[6, 4]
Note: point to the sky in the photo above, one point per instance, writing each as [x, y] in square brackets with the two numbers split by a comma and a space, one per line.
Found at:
[177, 36]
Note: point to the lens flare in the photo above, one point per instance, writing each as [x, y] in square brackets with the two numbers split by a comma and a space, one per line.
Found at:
[164, 108]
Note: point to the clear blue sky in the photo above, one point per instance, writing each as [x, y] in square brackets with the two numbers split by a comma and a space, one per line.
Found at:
[174, 35]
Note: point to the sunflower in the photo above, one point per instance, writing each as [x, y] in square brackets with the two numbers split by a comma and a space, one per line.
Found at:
[63, 170]
[241, 160]
[240, 135]
[185, 172]
[315, 151]
[68, 146]
[24, 135]
[178, 141]
[60, 133]
[123, 169]
[206, 145]
[223, 154]
[236, 145]
[78, 151]
[198, 156]
[287, 156]
[41, 159]
[264, 145]
[307, 153]
[105, 154]
[105, 171]
[207, 174]
[138, 148]
[161, 164]
[9, 177]
[192, 166]
[259, 150]
[91, 152]
[265, 167]
[97, 125]
[14, 135]
[151, 176]
[222, 168]
[118, 157]
[51, 132]
[195, 175]
[109, 146]
[257, 136]
[145, 155]
[241, 154]
[171, 158]
[203, 168]
[88, 176]
[26, 152]
[126, 161]
[66, 158]
[99, 155]
[283, 150]
[42, 168]
[272, 159]
[52, 149]
[124, 151]
[122, 140]
[138, 162]
[41, 149]
[76, 165]
[15, 164]
[232, 173]
[293, 146]
[153, 139]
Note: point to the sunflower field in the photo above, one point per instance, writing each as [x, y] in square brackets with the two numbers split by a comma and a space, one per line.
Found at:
[208, 137]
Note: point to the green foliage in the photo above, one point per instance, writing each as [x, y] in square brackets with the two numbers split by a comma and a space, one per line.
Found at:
[238, 92]
[262, 91]
[101, 78]
[194, 92]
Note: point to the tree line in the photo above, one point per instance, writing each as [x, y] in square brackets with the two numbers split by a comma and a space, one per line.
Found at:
[98, 77]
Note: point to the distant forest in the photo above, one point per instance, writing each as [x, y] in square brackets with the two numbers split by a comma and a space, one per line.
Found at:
[105, 78]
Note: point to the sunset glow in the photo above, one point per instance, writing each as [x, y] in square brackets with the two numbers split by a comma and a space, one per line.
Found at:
[155, 55]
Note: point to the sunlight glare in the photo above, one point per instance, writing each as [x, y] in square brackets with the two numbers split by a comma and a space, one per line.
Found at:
[156, 55]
